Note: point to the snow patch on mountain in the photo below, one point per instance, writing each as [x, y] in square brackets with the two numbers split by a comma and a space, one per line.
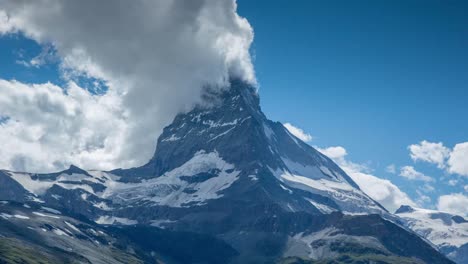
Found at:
[200, 179]
[112, 220]
[34, 184]
[45, 215]
[317, 245]
[442, 229]
[348, 198]
[321, 207]
[37, 187]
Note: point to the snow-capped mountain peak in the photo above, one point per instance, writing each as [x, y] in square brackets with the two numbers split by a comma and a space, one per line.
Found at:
[235, 127]
[223, 150]
[225, 170]
[447, 231]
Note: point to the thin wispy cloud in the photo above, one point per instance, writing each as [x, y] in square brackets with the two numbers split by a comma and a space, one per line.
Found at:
[411, 173]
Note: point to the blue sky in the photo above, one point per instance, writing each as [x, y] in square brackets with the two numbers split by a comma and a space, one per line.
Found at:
[372, 77]
[15, 48]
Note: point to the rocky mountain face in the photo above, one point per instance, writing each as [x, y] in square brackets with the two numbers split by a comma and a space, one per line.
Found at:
[448, 232]
[224, 176]
[33, 233]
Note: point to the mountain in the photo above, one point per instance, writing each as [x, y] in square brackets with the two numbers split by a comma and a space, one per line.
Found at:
[447, 231]
[225, 175]
[33, 233]
[255, 153]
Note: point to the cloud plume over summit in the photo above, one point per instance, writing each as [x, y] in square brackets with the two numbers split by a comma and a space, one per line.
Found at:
[153, 56]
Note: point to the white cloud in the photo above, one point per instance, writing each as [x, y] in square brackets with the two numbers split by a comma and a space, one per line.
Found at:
[452, 182]
[154, 56]
[422, 199]
[455, 203]
[334, 152]
[458, 161]
[299, 133]
[412, 174]
[5, 25]
[435, 153]
[391, 169]
[381, 190]
[427, 188]
[49, 129]
[454, 161]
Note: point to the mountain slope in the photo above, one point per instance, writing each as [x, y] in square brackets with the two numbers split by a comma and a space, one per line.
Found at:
[32, 233]
[447, 231]
[226, 172]
[229, 151]
[263, 152]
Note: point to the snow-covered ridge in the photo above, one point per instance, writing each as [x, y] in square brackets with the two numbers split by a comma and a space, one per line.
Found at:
[179, 176]
[442, 229]
[71, 181]
[320, 180]
[317, 245]
[200, 179]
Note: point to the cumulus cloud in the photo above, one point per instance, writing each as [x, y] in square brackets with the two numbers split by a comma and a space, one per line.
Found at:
[299, 133]
[455, 203]
[454, 161]
[458, 161]
[50, 127]
[411, 173]
[435, 153]
[155, 57]
[381, 190]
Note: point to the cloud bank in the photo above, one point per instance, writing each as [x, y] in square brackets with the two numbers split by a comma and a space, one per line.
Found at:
[381, 190]
[155, 57]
